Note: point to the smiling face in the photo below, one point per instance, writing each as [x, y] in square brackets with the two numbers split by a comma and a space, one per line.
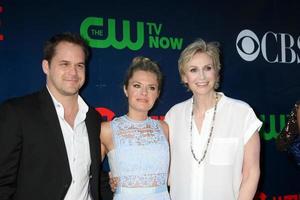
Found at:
[66, 70]
[141, 91]
[200, 74]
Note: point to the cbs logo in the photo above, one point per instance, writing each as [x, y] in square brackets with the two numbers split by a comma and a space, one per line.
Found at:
[274, 47]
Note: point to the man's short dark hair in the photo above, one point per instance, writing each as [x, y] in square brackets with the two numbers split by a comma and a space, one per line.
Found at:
[50, 45]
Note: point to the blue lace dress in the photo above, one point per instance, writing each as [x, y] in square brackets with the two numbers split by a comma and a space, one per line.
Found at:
[140, 159]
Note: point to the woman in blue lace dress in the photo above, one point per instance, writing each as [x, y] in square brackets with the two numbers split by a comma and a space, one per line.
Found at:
[136, 145]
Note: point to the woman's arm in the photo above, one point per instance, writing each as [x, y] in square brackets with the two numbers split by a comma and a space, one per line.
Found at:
[251, 168]
[106, 139]
[165, 129]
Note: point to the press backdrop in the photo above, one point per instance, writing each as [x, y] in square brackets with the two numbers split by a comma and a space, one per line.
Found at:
[260, 57]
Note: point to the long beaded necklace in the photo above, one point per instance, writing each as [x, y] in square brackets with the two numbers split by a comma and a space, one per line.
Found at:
[210, 133]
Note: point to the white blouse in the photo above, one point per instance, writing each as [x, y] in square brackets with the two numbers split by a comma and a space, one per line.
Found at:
[219, 174]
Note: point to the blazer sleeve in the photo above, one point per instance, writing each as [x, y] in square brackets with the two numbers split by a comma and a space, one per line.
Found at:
[10, 149]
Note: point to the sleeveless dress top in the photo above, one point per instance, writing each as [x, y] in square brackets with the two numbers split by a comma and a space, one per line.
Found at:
[140, 159]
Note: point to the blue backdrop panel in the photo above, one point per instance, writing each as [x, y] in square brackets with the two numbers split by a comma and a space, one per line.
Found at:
[260, 57]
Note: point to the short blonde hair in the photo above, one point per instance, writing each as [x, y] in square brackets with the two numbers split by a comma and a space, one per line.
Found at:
[200, 46]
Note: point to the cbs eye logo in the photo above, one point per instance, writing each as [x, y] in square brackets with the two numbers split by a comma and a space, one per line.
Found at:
[248, 45]
[274, 47]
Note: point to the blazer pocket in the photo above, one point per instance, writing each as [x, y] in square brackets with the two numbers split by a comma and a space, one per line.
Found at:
[223, 151]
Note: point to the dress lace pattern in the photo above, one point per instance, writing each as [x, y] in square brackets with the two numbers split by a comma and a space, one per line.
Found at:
[140, 159]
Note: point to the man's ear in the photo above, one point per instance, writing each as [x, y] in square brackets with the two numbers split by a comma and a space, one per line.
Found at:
[45, 65]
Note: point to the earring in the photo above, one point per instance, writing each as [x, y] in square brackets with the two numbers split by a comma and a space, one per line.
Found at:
[217, 84]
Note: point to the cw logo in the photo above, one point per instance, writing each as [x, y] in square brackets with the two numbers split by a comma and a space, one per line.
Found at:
[272, 126]
[97, 35]
[111, 40]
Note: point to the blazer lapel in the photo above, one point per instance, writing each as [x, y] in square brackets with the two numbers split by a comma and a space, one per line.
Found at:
[51, 118]
[93, 137]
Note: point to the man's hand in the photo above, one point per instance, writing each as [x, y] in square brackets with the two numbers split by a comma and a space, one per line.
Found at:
[113, 182]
